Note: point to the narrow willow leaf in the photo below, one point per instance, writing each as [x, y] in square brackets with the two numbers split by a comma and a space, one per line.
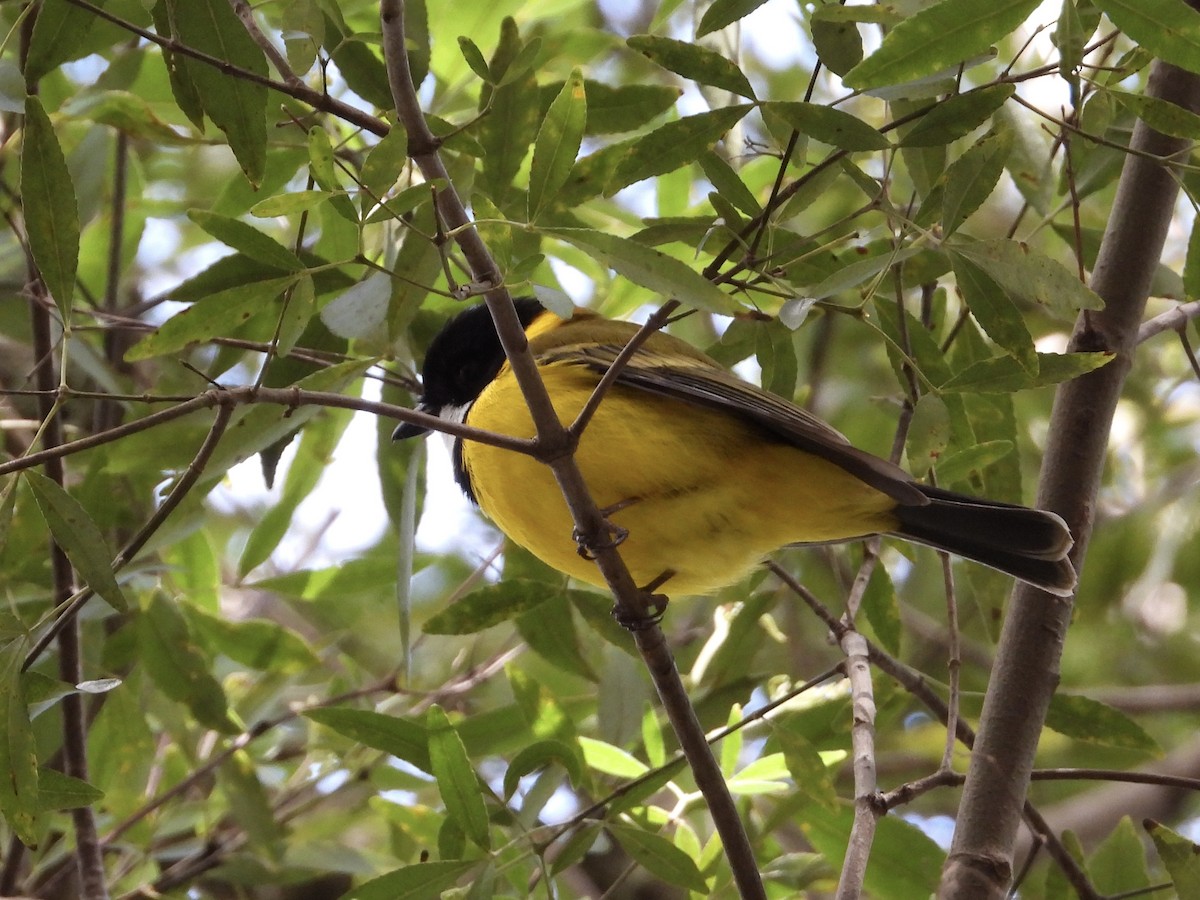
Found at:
[255, 643]
[1003, 374]
[79, 537]
[474, 57]
[488, 606]
[995, 311]
[550, 632]
[729, 183]
[648, 267]
[18, 755]
[538, 756]
[928, 433]
[456, 779]
[1169, 29]
[401, 738]
[57, 790]
[214, 316]
[672, 145]
[420, 881]
[839, 45]
[883, 610]
[1180, 856]
[972, 460]
[613, 109]
[659, 856]
[50, 207]
[938, 37]
[249, 804]
[1090, 720]
[557, 145]
[956, 116]
[1161, 115]
[510, 126]
[178, 667]
[694, 62]
[610, 760]
[247, 239]
[725, 12]
[972, 177]
[237, 106]
[1030, 275]
[830, 126]
[58, 36]
[382, 167]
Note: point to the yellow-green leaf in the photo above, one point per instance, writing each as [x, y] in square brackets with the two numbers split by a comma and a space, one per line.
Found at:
[48, 201]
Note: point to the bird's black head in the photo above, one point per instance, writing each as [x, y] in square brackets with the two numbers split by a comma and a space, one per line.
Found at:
[462, 359]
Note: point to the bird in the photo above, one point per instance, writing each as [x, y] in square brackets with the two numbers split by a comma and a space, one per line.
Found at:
[700, 474]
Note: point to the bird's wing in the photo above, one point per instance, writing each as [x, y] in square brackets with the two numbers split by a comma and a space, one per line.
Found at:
[694, 378]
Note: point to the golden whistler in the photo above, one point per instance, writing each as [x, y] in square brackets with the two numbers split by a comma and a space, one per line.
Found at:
[702, 473]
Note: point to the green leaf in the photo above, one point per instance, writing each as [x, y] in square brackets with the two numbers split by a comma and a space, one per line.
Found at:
[938, 37]
[256, 643]
[382, 167]
[648, 267]
[19, 788]
[829, 126]
[58, 36]
[317, 445]
[510, 126]
[456, 779]
[538, 756]
[79, 537]
[550, 631]
[928, 433]
[1169, 29]
[237, 106]
[48, 201]
[1003, 374]
[247, 239]
[972, 460]
[905, 862]
[729, 183]
[808, 770]
[401, 738]
[474, 57]
[1025, 273]
[725, 12]
[1180, 856]
[178, 667]
[491, 605]
[972, 177]
[1191, 266]
[883, 609]
[604, 757]
[250, 804]
[693, 62]
[421, 881]
[1118, 865]
[839, 45]
[995, 312]
[1090, 720]
[1161, 115]
[621, 108]
[956, 116]
[213, 316]
[659, 857]
[557, 145]
[323, 168]
[672, 145]
[57, 790]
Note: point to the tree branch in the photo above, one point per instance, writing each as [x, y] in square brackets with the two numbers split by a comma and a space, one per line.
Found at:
[1026, 670]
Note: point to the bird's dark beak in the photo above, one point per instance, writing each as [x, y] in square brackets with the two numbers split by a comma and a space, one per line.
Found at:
[407, 430]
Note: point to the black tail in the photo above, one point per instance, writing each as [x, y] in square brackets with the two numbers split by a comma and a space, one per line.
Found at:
[1029, 544]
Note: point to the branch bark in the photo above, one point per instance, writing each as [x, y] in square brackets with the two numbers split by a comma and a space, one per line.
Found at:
[556, 445]
[1025, 675]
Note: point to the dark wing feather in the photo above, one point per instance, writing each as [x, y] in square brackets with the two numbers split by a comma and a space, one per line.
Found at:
[694, 378]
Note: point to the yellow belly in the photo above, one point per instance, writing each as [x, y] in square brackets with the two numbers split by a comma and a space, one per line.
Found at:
[701, 494]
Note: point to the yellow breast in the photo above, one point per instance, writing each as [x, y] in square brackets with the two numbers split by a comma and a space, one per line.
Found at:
[701, 493]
